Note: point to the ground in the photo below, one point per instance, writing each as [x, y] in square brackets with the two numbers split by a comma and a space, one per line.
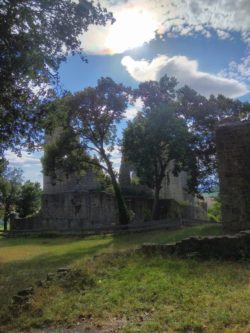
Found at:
[116, 289]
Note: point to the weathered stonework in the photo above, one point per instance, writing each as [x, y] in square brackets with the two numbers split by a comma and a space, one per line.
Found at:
[233, 153]
[77, 211]
[223, 247]
[75, 203]
[173, 187]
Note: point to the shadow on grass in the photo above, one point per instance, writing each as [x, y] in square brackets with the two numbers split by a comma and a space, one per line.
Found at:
[17, 275]
[21, 274]
[166, 236]
[49, 241]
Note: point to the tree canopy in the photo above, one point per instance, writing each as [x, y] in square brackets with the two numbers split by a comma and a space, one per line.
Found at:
[92, 116]
[29, 201]
[202, 115]
[153, 140]
[35, 37]
[10, 187]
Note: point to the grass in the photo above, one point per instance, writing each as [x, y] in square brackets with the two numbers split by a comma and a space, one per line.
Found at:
[124, 291]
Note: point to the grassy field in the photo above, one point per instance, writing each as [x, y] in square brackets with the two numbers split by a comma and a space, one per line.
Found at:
[120, 291]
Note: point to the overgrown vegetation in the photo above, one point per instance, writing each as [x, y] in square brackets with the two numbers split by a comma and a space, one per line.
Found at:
[158, 144]
[16, 196]
[36, 37]
[214, 211]
[125, 291]
[91, 117]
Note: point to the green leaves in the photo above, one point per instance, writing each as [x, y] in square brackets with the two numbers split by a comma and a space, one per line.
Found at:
[154, 139]
[36, 36]
[29, 201]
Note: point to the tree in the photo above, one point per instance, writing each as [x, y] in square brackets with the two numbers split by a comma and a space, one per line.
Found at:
[214, 211]
[10, 187]
[203, 115]
[36, 36]
[153, 140]
[155, 93]
[29, 201]
[65, 156]
[93, 114]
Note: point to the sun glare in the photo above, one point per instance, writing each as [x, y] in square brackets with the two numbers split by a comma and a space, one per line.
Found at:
[131, 29]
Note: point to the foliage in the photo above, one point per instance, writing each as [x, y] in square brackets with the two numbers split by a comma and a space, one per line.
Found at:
[64, 156]
[10, 187]
[155, 93]
[29, 201]
[214, 211]
[36, 36]
[154, 140]
[93, 114]
[16, 196]
[203, 115]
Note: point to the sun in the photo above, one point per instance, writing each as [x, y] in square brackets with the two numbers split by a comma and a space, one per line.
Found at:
[132, 29]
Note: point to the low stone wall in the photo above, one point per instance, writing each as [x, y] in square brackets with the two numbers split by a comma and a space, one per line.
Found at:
[225, 247]
[32, 229]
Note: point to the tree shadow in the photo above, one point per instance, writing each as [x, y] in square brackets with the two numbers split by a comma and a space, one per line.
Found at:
[22, 274]
[47, 240]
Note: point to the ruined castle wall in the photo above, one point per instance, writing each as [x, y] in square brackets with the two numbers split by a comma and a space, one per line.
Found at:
[75, 211]
[175, 187]
[233, 153]
[71, 183]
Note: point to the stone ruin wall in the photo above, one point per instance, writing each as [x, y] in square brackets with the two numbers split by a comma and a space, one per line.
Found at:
[72, 183]
[76, 211]
[233, 153]
[74, 202]
[173, 188]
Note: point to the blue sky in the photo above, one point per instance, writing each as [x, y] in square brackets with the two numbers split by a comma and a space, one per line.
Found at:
[205, 44]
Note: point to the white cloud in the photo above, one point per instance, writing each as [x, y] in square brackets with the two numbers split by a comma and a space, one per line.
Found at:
[238, 71]
[132, 111]
[25, 159]
[187, 73]
[29, 163]
[138, 21]
[223, 34]
[133, 27]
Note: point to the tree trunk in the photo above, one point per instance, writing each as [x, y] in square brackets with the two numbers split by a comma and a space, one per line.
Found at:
[124, 217]
[156, 207]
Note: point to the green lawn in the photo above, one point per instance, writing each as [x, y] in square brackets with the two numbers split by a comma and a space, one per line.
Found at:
[122, 291]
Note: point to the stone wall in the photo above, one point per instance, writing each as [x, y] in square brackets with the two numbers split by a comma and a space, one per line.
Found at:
[233, 153]
[73, 182]
[224, 247]
[74, 211]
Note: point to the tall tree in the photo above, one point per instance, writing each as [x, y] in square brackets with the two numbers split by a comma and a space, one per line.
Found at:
[29, 201]
[155, 93]
[64, 156]
[35, 37]
[10, 187]
[153, 140]
[203, 115]
[93, 114]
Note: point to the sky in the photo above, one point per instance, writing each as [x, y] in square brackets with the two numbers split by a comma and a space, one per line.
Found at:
[203, 43]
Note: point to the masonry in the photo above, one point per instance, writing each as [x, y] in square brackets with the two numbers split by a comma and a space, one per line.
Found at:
[233, 153]
[74, 211]
[76, 203]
